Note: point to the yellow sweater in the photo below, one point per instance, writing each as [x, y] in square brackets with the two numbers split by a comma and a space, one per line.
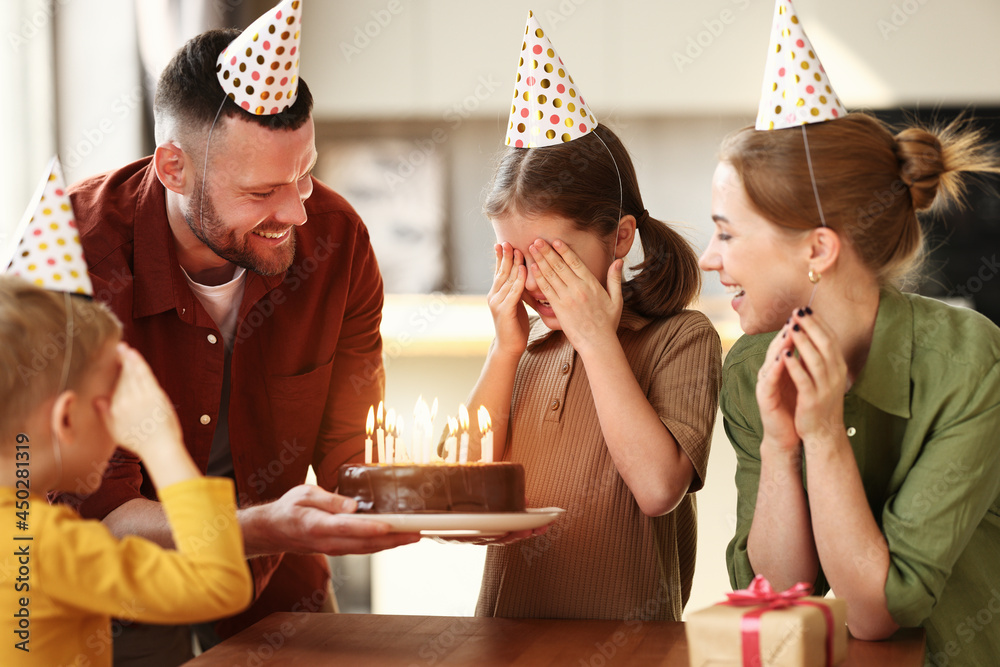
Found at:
[63, 578]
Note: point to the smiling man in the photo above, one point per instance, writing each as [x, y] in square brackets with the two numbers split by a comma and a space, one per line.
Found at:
[253, 291]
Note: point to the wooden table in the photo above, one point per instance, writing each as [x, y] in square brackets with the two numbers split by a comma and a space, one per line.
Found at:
[303, 639]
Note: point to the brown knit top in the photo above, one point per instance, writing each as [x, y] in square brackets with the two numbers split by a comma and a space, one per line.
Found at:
[603, 559]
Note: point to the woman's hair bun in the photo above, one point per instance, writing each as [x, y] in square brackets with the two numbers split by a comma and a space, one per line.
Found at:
[921, 164]
[933, 162]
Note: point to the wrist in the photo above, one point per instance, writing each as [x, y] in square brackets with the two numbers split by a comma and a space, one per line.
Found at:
[504, 357]
[780, 454]
[253, 523]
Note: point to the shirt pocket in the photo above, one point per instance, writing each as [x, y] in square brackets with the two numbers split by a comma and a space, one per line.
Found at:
[298, 404]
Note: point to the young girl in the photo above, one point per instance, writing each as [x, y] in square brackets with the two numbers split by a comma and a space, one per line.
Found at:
[63, 578]
[607, 398]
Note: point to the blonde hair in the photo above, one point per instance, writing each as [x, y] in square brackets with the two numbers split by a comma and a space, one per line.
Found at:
[33, 342]
[871, 182]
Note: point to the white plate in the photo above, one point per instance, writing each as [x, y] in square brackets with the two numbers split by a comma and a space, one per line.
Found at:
[449, 524]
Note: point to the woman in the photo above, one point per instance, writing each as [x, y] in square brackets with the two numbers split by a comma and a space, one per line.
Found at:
[865, 420]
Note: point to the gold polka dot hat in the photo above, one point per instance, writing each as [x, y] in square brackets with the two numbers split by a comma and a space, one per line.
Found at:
[548, 108]
[796, 89]
[44, 248]
[259, 70]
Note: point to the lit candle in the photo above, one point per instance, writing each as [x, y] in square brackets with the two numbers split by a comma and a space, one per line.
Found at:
[380, 435]
[451, 442]
[401, 455]
[485, 428]
[417, 442]
[390, 439]
[463, 442]
[430, 452]
[369, 426]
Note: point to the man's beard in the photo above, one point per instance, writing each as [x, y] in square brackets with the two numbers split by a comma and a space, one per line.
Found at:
[207, 227]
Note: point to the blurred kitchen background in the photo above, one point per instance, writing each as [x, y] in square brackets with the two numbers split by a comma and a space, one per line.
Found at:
[411, 103]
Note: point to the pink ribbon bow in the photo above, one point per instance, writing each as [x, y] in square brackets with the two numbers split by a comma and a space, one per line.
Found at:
[760, 594]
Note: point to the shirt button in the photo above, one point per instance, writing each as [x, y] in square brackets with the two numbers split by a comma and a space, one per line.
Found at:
[554, 405]
[851, 431]
[205, 419]
[565, 368]
[212, 339]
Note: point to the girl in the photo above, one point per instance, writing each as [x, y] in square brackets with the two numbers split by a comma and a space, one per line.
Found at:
[889, 401]
[607, 398]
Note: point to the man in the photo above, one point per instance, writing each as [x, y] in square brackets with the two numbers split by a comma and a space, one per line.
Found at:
[254, 293]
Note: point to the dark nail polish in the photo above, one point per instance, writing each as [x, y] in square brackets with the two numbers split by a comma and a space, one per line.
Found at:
[809, 311]
[788, 353]
[785, 333]
[797, 328]
[801, 312]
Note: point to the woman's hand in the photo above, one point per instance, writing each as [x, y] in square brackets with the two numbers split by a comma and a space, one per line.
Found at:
[820, 376]
[776, 395]
[510, 319]
[588, 313]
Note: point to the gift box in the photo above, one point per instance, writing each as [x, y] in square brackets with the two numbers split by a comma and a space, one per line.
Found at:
[759, 626]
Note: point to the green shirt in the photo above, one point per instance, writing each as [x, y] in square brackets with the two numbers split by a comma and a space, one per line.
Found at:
[923, 419]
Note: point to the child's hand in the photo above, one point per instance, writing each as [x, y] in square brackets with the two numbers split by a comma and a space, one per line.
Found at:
[588, 314]
[510, 319]
[140, 416]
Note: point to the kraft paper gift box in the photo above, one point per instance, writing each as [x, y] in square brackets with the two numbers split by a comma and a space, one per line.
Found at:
[759, 626]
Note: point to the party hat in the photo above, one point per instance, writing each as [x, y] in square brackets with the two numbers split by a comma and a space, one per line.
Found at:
[548, 108]
[796, 89]
[259, 70]
[44, 248]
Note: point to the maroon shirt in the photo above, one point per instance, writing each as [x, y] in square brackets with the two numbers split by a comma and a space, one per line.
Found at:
[306, 360]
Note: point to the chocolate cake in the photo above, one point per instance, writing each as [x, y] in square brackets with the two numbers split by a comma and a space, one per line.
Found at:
[443, 487]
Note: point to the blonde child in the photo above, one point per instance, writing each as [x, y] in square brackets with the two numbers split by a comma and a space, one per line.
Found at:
[63, 578]
[607, 397]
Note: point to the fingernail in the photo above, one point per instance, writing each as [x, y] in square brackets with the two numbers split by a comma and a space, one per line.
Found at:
[809, 311]
[785, 333]
[797, 328]
[801, 312]
[788, 353]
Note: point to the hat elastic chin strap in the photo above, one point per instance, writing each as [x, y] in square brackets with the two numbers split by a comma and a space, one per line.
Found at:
[204, 171]
[819, 206]
[67, 361]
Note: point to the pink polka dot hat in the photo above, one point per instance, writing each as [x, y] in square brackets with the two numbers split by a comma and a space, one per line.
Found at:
[548, 107]
[259, 70]
[44, 248]
[796, 90]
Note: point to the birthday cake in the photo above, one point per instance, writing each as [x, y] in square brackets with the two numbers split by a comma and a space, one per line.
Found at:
[437, 487]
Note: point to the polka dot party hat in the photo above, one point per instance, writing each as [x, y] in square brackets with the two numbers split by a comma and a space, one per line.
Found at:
[44, 248]
[259, 70]
[796, 89]
[548, 107]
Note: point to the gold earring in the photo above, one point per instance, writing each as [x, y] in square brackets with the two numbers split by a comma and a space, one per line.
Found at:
[814, 276]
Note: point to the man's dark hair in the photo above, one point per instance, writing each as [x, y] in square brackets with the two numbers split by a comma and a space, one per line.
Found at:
[189, 91]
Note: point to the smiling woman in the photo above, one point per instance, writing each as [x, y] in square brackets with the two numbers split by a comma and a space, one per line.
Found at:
[849, 399]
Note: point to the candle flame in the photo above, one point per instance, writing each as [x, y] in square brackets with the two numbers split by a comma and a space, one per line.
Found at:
[434, 408]
[398, 426]
[420, 411]
[380, 413]
[463, 417]
[370, 422]
[452, 426]
[484, 419]
[390, 418]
